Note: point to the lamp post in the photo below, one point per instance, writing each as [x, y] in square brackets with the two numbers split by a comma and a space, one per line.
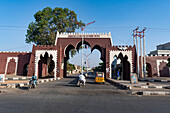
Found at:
[82, 54]
[86, 59]
[82, 29]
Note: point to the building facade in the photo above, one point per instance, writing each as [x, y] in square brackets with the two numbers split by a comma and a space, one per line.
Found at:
[156, 61]
[51, 60]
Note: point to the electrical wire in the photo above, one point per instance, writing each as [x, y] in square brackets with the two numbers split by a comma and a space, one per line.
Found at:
[9, 26]
[16, 48]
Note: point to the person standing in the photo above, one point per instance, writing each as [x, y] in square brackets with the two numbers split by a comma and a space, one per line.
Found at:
[34, 79]
[118, 74]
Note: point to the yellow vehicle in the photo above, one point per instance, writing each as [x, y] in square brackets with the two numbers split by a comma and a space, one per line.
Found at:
[99, 77]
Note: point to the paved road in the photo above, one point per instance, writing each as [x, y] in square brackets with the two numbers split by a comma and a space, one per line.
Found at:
[64, 96]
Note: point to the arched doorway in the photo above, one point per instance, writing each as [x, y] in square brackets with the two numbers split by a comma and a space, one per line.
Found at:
[114, 67]
[163, 69]
[46, 66]
[66, 58]
[86, 63]
[126, 68]
[148, 70]
[25, 69]
[122, 65]
[101, 58]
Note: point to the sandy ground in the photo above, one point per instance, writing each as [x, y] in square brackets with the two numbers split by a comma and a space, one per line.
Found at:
[15, 81]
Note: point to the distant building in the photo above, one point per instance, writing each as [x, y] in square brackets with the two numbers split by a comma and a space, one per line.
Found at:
[78, 69]
[162, 49]
[156, 61]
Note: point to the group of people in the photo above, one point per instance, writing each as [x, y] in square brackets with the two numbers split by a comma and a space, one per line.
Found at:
[81, 79]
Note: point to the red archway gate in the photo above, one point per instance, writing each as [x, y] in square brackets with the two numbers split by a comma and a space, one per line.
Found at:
[67, 41]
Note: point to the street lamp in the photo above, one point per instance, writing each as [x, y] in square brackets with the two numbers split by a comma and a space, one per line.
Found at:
[82, 29]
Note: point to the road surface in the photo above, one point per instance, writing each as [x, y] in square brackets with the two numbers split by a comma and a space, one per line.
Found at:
[63, 96]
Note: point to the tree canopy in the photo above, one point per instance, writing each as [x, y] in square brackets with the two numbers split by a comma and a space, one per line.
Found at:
[48, 22]
[100, 67]
[70, 67]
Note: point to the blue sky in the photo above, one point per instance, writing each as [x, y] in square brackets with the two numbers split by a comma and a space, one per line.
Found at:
[119, 17]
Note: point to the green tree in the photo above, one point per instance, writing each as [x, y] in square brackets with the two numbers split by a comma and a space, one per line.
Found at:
[70, 67]
[100, 67]
[168, 64]
[73, 52]
[48, 22]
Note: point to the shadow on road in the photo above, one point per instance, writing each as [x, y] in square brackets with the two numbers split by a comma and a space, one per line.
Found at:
[23, 88]
[72, 77]
[90, 82]
[72, 83]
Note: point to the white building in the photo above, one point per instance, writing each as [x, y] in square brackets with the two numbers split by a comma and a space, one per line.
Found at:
[162, 49]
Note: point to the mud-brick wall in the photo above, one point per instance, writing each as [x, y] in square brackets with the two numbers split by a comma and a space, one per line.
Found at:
[23, 58]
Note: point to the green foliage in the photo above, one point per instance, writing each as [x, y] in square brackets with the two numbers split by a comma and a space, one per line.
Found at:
[100, 67]
[168, 64]
[70, 67]
[73, 52]
[51, 67]
[48, 22]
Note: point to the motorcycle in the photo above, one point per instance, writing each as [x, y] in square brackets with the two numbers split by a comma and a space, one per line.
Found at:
[31, 85]
[80, 83]
[81, 80]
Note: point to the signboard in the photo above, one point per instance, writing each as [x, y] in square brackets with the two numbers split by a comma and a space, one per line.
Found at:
[133, 78]
[2, 78]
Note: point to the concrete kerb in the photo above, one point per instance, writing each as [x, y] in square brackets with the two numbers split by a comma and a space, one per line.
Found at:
[124, 86]
[133, 86]
[118, 84]
[153, 80]
[17, 78]
[155, 93]
[17, 85]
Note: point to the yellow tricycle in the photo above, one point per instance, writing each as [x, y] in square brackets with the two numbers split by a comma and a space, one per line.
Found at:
[99, 78]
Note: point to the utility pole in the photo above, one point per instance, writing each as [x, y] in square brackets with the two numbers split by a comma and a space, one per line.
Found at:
[137, 54]
[136, 36]
[140, 34]
[144, 58]
[141, 57]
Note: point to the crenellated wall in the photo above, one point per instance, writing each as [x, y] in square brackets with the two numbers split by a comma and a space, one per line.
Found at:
[158, 65]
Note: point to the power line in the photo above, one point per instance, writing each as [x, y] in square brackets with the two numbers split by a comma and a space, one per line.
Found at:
[98, 27]
[17, 47]
[11, 29]
[152, 28]
[9, 26]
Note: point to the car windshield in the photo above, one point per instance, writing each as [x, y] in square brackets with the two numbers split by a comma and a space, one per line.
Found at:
[100, 74]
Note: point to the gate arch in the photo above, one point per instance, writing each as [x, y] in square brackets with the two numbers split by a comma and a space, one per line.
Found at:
[67, 41]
